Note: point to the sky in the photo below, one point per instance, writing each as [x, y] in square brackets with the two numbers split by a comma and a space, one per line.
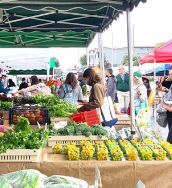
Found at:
[151, 23]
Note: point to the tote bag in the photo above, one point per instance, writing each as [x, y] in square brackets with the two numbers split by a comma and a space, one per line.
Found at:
[107, 113]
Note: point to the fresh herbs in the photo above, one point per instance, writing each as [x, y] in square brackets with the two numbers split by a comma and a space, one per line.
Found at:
[24, 137]
[56, 106]
[5, 105]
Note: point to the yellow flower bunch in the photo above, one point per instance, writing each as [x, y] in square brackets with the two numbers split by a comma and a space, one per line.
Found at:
[109, 142]
[114, 150]
[102, 151]
[148, 141]
[158, 151]
[144, 151]
[57, 149]
[87, 150]
[116, 154]
[72, 152]
[129, 150]
[168, 148]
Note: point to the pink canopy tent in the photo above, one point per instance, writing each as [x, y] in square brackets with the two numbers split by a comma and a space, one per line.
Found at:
[147, 58]
[160, 55]
[164, 53]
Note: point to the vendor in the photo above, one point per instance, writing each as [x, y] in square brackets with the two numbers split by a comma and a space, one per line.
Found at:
[35, 88]
[97, 92]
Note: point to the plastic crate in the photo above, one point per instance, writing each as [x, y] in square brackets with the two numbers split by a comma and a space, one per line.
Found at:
[91, 117]
[52, 140]
[21, 155]
[33, 113]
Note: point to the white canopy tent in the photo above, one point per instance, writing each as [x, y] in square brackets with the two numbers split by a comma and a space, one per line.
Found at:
[24, 59]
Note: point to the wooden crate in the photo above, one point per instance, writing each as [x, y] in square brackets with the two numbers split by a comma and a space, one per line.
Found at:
[75, 139]
[119, 127]
[21, 155]
[123, 120]
[59, 119]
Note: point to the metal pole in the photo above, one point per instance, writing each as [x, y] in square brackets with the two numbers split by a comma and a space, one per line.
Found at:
[154, 105]
[87, 54]
[101, 56]
[53, 72]
[112, 51]
[130, 59]
[48, 71]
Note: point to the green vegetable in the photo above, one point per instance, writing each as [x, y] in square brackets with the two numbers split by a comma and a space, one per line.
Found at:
[5, 105]
[56, 106]
[24, 137]
[23, 125]
[73, 128]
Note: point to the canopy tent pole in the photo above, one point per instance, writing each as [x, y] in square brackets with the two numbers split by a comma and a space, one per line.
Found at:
[101, 56]
[154, 104]
[130, 59]
[112, 51]
[48, 71]
[87, 54]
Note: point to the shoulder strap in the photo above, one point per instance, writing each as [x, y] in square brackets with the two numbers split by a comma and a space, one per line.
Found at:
[139, 85]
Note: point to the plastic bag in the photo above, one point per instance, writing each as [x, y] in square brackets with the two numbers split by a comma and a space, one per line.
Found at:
[168, 96]
[64, 182]
[24, 179]
[161, 119]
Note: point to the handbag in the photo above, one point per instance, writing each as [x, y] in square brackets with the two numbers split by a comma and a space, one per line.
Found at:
[161, 117]
[168, 96]
[107, 113]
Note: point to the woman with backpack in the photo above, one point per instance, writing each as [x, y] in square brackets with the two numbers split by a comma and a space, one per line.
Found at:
[70, 91]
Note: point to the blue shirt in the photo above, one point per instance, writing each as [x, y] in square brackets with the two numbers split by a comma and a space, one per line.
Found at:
[2, 89]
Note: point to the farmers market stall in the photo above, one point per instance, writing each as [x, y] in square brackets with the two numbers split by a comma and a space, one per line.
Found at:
[119, 174]
[78, 149]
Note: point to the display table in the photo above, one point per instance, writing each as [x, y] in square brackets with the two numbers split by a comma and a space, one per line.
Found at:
[123, 122]
[120, 174]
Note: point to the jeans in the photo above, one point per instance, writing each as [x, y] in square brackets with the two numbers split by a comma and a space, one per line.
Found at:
[169, 137]
[123, 98]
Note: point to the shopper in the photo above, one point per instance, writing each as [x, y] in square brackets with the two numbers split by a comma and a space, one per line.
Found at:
[35, 88]
[140, 92]
[97, 92]
[12, 86]
[3, 89]
[23, 85]
[70, 91]
[146, 82]
[111, 85]
[123, 88]
[168, 107]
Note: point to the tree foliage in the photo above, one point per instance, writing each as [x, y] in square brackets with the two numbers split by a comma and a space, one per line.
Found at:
[83, 60]
[135, 60]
